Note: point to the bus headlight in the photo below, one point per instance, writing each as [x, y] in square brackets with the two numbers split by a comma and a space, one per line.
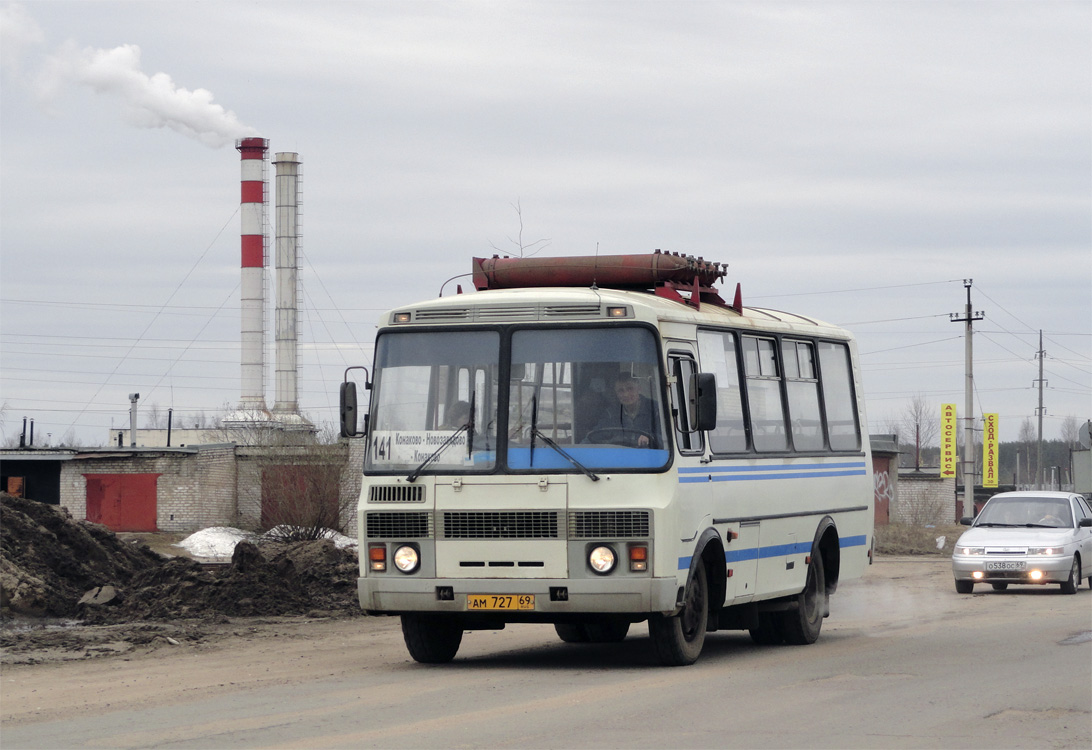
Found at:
[406, 559]
[601, 560]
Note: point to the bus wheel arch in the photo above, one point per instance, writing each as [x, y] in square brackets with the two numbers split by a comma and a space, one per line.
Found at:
[679, 638]
[828, 547]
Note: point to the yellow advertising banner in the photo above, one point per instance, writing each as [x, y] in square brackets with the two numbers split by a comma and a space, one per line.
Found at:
[990, 458]
[947, 440]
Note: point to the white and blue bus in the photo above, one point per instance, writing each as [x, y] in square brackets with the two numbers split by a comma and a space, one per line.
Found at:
[598, 442]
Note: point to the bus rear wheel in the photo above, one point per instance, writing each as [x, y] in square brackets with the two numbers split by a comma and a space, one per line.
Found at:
[431, 639]
[802, 625]
[679, 639]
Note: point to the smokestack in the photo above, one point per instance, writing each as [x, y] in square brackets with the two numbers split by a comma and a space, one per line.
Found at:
[252, 212]
[287, 167]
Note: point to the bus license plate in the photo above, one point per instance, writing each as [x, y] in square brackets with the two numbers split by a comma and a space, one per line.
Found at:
[500, 601]
[998, 565]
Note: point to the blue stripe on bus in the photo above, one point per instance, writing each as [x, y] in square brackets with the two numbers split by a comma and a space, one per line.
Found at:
[776, 550]
[770, 471]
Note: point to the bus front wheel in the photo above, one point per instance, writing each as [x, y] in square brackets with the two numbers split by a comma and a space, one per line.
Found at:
[431, 639]
[679, 639]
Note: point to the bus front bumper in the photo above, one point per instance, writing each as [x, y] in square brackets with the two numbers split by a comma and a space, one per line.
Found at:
[390, 595]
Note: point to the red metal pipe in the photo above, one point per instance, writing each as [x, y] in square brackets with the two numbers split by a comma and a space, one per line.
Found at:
[618, 271]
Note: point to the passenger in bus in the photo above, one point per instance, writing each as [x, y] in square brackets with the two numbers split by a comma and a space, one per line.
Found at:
[631, 421]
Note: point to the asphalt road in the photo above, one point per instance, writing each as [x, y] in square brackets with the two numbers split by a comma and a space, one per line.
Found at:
[903, 662]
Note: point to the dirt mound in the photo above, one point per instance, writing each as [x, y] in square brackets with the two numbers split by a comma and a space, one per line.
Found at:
[49, 562]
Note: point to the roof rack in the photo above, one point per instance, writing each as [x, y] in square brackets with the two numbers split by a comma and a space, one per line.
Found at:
[682, 278]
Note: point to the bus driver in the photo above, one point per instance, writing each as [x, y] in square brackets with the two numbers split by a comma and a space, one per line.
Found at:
[634, 414]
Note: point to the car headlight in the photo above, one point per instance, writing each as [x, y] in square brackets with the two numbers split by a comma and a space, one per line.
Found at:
[601, 560]
[1046, 550]
[970, 550]
[406, 559]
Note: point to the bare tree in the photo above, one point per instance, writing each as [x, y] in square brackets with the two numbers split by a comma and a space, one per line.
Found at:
[1071, 430]
[917, 426]
[154, 417]
[302, 489]
[525, 250]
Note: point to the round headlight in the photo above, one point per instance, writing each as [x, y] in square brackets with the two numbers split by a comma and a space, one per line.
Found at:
[406, 559]
[601, 559]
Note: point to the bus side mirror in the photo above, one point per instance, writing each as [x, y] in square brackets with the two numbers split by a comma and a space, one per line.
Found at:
[703, 401]
[348, 408]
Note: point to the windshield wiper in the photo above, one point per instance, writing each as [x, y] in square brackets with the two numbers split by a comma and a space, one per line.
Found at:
[470, 427]
[535, 433]
[436, 453]
[587, 472]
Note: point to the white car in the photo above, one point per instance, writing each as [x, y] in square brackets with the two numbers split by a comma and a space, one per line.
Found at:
[1028, 537]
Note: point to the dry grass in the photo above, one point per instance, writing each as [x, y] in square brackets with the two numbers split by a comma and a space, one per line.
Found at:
[907, 539]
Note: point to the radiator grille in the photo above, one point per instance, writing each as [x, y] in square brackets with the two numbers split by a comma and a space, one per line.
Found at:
[396, 525]
[398, 493]
[608, 524]
[501, 525]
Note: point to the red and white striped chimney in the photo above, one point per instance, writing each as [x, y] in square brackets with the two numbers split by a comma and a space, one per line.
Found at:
[252, 291]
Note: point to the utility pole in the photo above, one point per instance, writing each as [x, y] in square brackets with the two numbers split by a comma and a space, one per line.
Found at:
[969, 316]
[1040, 355]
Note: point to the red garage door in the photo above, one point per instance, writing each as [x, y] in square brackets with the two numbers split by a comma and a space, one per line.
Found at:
[122, 502]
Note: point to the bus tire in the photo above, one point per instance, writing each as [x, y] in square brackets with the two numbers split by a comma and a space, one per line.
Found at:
[571, 632]
[431, 639]
[801, 626]
[679, 638]
[768, 632]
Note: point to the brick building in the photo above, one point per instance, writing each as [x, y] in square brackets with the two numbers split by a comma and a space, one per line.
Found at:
[181, 489]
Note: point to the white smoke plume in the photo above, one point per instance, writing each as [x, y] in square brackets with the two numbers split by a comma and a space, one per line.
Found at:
[153, 101]
[149, 101]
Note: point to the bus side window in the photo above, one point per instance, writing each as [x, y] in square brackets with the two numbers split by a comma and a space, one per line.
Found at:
[764, 394]
[717, 350]
[838, 398]
[802, 386]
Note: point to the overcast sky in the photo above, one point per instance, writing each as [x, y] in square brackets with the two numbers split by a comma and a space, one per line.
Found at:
[853, 161]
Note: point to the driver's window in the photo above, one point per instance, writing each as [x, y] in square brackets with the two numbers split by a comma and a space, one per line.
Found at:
[683, 369]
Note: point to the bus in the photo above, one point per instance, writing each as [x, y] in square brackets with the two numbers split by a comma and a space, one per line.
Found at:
[598, 442]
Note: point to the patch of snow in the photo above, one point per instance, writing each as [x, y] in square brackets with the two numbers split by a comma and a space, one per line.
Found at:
[340, 540]
[217, 541]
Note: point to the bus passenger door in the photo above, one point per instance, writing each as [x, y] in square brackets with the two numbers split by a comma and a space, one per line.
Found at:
[741, 559]
[694, 508]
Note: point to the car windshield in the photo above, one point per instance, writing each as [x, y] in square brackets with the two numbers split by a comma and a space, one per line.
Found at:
[1046, 512]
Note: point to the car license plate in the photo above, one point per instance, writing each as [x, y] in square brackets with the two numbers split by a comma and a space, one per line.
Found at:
[500, 601]
[1001, 565]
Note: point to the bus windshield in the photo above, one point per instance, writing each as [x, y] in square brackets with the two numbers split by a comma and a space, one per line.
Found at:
[575, 400]
[434, 401]
[589, 394]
